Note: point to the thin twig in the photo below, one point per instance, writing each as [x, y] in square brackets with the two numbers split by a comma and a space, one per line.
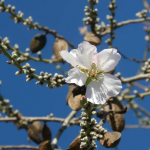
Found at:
[143, 110]
[63, 127]
[19, 147]
[137, 126]
[120, 24]
[132, 59]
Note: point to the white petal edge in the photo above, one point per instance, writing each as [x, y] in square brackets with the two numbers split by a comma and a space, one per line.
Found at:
[108, 59]
[76, 76]
[85, 54]
[96, 93]
[113, 84]
[68, 57]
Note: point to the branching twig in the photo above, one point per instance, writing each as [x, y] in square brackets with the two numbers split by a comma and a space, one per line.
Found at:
[120, 24]
[36, 26]
[28, 72]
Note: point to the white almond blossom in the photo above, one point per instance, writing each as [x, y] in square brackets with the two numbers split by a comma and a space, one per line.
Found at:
[90, 69]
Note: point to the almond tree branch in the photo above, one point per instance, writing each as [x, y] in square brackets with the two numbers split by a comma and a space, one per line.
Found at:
[63, 127]
[35, 26]
[27, 72]
[21, 147]
[137, 126]
[128, 97]
[33, 58]
[25, 57]
[123, 23]
[18, 147]
[32, 119]
[143, 110]
[135, 78]
[132, 59]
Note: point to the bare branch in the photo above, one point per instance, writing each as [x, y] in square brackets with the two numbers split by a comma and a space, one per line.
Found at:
[135, 78]
[132, 59]
[128, 97]
[120, 24]
[63, 127]
[19, 147]
[137, 126]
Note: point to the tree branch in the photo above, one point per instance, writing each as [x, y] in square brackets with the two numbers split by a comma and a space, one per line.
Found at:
[28, 72]
[35, 26]
[73, 121]
[19, 147]
[63, 127]
[120, 24]
[137, 126]
[135, 78]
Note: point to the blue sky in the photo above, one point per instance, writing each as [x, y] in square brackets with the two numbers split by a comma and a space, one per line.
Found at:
[33, 100]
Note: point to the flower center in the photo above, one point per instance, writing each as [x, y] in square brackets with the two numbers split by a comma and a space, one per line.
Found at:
[94, 72]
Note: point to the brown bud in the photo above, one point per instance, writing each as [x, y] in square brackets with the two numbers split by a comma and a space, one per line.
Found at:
[116, 121]
[110, 139]
[37, 42]
[58, 46]
[75, 145]
[74, 95]
[34, 134]
[37, 125]
[92, 39]
[45, 145]
[46, 132]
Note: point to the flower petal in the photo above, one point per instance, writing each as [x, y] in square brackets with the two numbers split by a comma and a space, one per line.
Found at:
[107, 59]
[113, 84]
[96, 92]
[73, 52]
[68, 57]
[85, 54]
[76, 76]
